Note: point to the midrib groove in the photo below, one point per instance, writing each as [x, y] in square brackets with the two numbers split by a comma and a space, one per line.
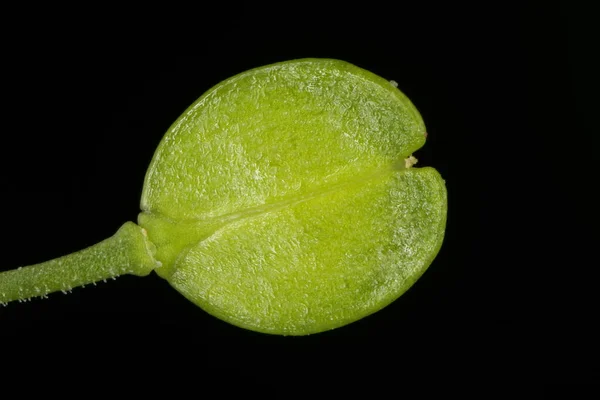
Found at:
[226, 219]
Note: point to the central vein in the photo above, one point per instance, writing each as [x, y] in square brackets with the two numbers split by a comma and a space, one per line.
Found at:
[173, 236]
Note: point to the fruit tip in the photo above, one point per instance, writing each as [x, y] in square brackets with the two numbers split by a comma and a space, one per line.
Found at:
[410, 161]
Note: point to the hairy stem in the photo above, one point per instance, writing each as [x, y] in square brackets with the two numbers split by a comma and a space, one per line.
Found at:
[126, 252]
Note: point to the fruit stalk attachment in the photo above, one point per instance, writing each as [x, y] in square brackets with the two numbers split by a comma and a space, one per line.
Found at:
[126, 252]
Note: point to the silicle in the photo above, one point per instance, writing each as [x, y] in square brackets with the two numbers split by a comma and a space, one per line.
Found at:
[284, 201]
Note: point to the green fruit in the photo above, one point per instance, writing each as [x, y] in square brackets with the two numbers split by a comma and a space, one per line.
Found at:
[281, 201]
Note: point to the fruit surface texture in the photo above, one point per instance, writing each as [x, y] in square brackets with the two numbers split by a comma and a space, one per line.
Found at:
[284, 199]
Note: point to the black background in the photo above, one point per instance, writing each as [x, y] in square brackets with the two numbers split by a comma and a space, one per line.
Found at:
[498, 94]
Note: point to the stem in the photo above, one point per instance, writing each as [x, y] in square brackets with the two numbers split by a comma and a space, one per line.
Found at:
[126, 252]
